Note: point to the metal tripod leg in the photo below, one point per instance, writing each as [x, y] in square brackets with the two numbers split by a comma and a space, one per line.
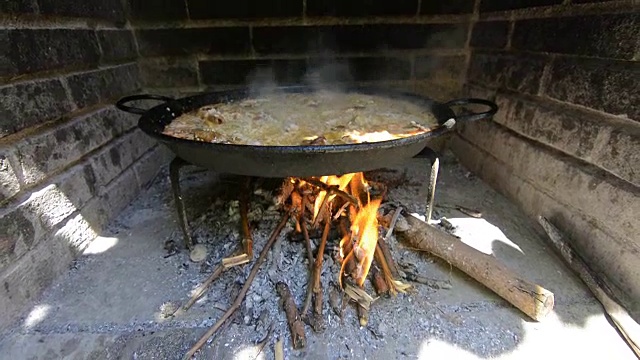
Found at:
[433, 177]
[174, 175]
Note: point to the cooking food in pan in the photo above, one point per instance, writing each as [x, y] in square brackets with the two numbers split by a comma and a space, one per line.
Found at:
[290, 119]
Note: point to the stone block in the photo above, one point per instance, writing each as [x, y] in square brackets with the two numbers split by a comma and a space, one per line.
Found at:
[117, 45]
[446, 7]
[119, 155]
[501, 5]
[24, 224]
[286, 39]
[112, 199]
[440, 69]
[24, 281]
[148, 166]
[17, 7]
[167, 10]
[55, 48]
[379, 37]
[53, 150]
[607, 36]
[513, 71]
[9, 183]
[245, 9]
[590, 137]
[104, 85]
[30, 103]
[190, 41]
[606, 85]
[169, 72]
[239, 72]
[490, 34]
[358, 7]
[111, 10]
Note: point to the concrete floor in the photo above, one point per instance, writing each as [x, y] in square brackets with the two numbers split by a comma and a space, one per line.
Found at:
[108, 305]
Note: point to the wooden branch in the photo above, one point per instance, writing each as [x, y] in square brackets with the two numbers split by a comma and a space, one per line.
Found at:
[531, 299]
[247, 239]
[243, 292]
[628, 327]
[293, 319]
[314, 286]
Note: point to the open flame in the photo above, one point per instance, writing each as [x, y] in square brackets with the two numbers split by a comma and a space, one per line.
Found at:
[359, 243]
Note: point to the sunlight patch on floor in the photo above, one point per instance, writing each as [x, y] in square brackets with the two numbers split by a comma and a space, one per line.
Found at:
[36, 315]
[480, 234]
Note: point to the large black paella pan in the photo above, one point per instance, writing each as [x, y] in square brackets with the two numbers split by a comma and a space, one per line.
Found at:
[301, 160]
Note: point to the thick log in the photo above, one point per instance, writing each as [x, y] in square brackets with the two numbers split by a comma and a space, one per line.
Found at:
[532, 299]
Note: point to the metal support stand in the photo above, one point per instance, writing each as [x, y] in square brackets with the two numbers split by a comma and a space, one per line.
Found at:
[433, 177]
[174, 175]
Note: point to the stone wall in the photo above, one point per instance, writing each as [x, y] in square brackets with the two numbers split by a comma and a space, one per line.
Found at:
[194, 46]
[566, 141]
[69, 160]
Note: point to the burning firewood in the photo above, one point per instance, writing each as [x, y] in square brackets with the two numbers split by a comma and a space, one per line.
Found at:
[532, 299]
[293, 319]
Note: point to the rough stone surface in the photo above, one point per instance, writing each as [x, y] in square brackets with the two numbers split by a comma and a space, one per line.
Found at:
[146, 169]
[56, 48]
[9, 183]
[585, 135]
[244, 9]
[26, 223]
[440, 69]
[26, 104]
[116, 45]
[169, 10]
[567, 181]
[604, 85]
[53, 150]
[500, 5]
[446, 7]
[513, 71]
[111, 10]
[99, 310]
[359, 8]
[30, 275]
[379, 37]
[119, 155]
[17, 6]
[169, 72]
[612, 36]
[111, 199]
[490, 34]
[216, 41]
[104, 85]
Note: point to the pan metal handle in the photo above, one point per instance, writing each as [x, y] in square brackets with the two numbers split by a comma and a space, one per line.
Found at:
[134, 110]
[475, 116]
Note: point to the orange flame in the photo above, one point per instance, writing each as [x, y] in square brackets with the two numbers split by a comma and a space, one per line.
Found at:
[331, 180]
[364, 230]
[359, 245]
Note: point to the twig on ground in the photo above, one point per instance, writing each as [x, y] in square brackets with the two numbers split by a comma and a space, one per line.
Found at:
[293, 319]
[247, 239]
[243, 292]
[314, 285]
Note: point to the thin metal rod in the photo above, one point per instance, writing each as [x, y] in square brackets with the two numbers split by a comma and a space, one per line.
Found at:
[174, 175]
[431, 194]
